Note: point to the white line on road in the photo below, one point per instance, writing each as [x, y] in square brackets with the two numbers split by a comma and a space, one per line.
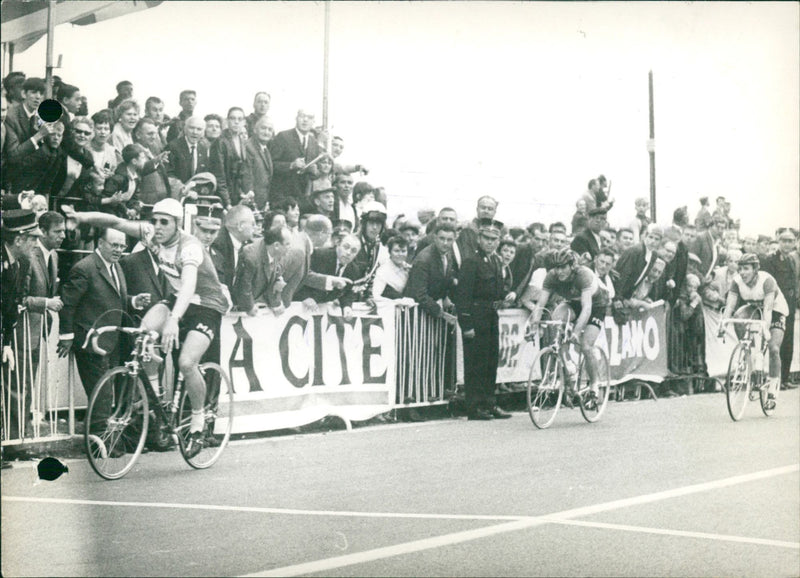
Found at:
[286, 511]
[683, 533]
[328, 564]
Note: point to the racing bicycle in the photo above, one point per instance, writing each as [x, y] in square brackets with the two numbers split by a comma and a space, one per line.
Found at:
[747, 377]
[562, 380]
[124, 401]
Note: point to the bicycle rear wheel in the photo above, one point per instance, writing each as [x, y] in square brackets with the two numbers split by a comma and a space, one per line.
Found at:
[219, 417]
[593, 407]
[116, 423]
[544, 395]
[737, 382]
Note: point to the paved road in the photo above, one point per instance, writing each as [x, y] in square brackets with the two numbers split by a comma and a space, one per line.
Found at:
[656, 488]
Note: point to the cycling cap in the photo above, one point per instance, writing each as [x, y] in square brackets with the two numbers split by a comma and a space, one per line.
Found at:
[170, 207]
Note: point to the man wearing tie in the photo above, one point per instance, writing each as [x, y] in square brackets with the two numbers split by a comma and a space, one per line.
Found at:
[291, 151]
[635, 263]
[257, 168]
[431, 280]
[188, 154]
[259, 277]
[96, 294]
[226, 157]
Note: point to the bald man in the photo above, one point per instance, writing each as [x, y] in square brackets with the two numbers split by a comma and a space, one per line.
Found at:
[291, 151]
[188, 154]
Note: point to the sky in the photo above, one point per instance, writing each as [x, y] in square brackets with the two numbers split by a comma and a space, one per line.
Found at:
[524, 101]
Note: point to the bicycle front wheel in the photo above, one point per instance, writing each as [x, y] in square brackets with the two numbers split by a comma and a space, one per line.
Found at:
[219, 417]
[544, 394]
[592, 407]
[737, 382]
[116, 423]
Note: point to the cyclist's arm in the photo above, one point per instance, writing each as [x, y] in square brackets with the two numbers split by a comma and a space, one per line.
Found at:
[98, 219]
[540, 304]
[586, 310]
[730, 305]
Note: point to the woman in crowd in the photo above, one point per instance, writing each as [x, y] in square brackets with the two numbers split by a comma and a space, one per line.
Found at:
[392, 275]
[213, 128]
[363, 194]
[127, 115]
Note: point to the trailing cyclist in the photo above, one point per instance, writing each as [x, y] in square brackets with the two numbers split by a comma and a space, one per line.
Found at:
[584, 297]
[761, 298]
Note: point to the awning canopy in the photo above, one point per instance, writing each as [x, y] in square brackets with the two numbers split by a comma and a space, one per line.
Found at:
[23, 23]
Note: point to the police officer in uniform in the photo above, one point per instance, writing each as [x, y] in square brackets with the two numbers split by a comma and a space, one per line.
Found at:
[478, 295]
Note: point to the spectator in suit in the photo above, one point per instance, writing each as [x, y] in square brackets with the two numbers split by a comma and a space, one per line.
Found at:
[587, 243]
[446, 216]
[19, 234]
[3, 135]
[70, 98]
[707, 247]
[143, 275]
[298, 275]
[259, 275]
[343, 207]
[126, 115]
[154, 110]
[261, 102]
[635, 263]
[124, 92]
[410, 231]
[12, 86]
[154, 185]
[238, 231]
[258, 166]
[291, 151]
[187, 101]
[187, 154]
[22, 120]
[96, 292]
[391, 277]
[226, 158]
[782, 266]
[431, 280]
[646, 290]
[337, 262]
[468, 237]
[44, 169]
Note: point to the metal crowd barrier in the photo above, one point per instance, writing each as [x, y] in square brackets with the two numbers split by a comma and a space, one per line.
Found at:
[425, 358]
[32, 402]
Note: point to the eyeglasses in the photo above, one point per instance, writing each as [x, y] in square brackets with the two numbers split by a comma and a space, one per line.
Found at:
[160, 221]
[82, 132]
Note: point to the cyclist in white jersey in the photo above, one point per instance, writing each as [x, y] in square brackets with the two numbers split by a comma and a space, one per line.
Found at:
[198, 302]
[757, 295]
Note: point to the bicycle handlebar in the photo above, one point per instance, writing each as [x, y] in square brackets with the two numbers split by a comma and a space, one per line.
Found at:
[94, 335]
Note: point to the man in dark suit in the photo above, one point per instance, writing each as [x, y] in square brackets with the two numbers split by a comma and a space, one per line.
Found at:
[431, 280]
[188, 101]
[261, 103]
[781, 265]
[22, 121]
[258, 167]
[188, 155]
[143, 275]
[587, 242]
[226, 158]
[291, 151]
[96, 293]
[19, 234]
[153, 185]
[259, 277]
[706, 246]
[238, 231]
[635, 263]
[44, 168]
[336, 261]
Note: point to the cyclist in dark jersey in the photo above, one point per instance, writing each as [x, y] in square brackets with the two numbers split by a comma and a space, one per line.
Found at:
[584, 297]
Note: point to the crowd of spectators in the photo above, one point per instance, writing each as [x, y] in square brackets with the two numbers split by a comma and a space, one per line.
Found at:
[293, 225]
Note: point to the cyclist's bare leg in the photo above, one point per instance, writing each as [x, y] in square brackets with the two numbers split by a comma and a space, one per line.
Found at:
[192, 350]
[774, 346]
[588, 339]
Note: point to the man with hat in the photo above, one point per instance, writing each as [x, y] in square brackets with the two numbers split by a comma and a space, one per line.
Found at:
[322, 202]
[372, 253]
[410, 230]
[587, 243]
[20, 234]
[478, 295]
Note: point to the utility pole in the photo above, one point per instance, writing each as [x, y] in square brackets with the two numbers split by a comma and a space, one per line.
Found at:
[325, 69]
[51, 25]
[651, 149]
